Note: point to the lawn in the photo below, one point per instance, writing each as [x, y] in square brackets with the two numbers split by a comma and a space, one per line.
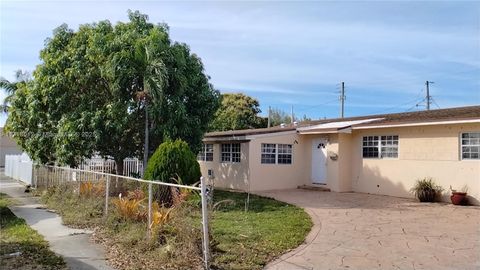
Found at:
[21, 247]
[240, 240]
[249, 240]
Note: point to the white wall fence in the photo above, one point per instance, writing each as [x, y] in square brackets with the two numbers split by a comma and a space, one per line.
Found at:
[132, 167]
[20, 167]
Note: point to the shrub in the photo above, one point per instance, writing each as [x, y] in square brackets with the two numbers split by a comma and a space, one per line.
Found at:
[128, 208]
[89, 188]
[425, 189]
[173, 160]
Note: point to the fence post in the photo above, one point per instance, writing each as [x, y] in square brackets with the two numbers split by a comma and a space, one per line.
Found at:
[48, 176]
[150, 195]
[107, 193]
[206, 241]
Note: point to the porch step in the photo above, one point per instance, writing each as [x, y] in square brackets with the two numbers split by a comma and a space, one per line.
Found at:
[314, 187]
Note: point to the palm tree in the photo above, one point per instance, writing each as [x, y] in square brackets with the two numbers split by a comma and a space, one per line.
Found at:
[11, 87]
[153, 78]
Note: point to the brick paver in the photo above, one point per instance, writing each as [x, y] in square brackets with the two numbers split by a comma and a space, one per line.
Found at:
[362, 231]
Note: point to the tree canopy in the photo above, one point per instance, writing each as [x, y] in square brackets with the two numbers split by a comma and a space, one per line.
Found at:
[237, 111]
[10, 87]
[86, 96]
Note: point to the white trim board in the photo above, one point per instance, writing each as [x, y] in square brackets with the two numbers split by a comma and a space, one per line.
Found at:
[421, 124]
[337, 124]
[272, 134]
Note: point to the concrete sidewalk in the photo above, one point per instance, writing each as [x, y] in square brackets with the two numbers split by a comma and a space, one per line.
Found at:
[72, 244]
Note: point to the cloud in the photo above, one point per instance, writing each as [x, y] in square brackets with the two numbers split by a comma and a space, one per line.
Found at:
[293, 52]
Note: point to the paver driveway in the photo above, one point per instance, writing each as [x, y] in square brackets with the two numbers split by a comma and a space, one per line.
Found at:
[361, 231]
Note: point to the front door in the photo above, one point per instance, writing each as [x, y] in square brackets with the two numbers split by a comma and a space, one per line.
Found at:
[319, 161]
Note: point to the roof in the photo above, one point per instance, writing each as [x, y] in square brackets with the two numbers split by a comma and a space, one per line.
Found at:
[336, 124]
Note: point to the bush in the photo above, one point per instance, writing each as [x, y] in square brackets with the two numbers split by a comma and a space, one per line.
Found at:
[173, 160]
[425, 189]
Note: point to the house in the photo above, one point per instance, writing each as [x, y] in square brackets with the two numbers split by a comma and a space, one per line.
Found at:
[7, 147]
[378, 154]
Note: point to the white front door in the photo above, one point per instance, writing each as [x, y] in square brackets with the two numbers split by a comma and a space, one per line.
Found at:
[319, 161]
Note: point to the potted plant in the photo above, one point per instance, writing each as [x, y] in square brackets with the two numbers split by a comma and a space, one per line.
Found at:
[426, 190]
[459, 197]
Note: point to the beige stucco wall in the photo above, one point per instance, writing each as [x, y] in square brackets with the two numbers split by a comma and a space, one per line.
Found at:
[427, 151]
[279, 176]
[338, 178]
[228, 175]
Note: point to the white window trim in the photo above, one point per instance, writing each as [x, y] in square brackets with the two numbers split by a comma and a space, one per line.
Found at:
[204, 152]
[379, 146]
[231, 153]
[276, 154]
[460, 147]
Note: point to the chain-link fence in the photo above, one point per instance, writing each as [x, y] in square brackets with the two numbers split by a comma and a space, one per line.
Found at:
[152, 203]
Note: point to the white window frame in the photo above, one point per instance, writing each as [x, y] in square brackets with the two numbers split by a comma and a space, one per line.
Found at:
[272, 152]
[276, 153]
[379, 146]
[230, 153]
[207, 148]
[470, 145]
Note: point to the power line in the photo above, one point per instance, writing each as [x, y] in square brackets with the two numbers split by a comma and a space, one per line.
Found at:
[434, 102]
[399, 106]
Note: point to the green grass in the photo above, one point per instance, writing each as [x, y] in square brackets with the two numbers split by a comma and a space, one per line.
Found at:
[240, 240]
[249, 240]
[16, 237]
[75, 211]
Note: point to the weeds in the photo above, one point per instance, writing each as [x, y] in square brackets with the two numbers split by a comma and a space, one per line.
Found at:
[21, 247]
[128, 208]
[89, 188]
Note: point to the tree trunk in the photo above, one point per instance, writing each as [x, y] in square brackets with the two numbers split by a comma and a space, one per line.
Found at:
[119, 167]
[145, 147]
[117, 186]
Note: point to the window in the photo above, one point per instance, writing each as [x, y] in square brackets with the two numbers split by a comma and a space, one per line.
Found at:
[380, 146]
[276, 153]
[230, 152]
[389, 146]
[471, 145]
[370, 147]
[206, 154]
[269, 153]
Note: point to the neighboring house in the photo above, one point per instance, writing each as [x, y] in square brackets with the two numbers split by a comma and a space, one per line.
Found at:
[7, 147]
[379, 154]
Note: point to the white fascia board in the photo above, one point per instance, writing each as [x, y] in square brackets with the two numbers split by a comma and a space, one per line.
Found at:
[226, 138]
[421, 124]
[338, 124]
[273, 134]
[317, 132]
[347, 130]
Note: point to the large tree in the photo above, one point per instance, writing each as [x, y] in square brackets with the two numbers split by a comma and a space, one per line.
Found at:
[237, 111]
[91, 89]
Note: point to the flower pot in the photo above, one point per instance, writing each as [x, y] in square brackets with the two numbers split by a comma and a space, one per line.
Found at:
[426, 195]
[458, 198]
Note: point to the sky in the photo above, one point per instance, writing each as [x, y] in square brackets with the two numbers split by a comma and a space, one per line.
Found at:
[292, 53]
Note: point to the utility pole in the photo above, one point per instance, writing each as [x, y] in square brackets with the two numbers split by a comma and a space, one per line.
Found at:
[342, 100]
[269, 116]
[428, 98]
[291, 115]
